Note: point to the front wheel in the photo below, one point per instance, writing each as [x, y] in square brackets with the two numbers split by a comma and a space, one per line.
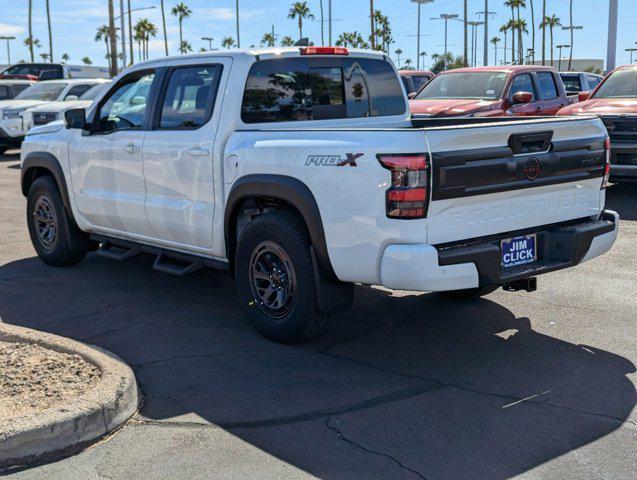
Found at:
[275, 278]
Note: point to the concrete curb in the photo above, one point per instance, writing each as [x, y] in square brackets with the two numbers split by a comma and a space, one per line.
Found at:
[110, 403]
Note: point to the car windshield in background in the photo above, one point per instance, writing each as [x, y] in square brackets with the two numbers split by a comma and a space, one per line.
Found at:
[42, 91]
[93, 92]
[32, 69]
[621, 84]
[572, 83]
[419, 81]
[478, 85]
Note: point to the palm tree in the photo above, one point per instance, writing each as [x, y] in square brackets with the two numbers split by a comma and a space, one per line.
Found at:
[520, 26]
[551, 22]
[287, 41]
[511, 4]
[227, 42]
[138, 36]
[494, 41]
[185, 47]
[144, 29]
[383, 31]
[398, 53]
[570, 51]
[408, 63]
[163, 21]
[268, 39]
[322, 22]
[45, 56]
[532, 31]
[181, 11]
[87, 61]
[65, 57]
[465, 32]
[504, 29]
[103, 34]
[32, 43]
[351, 39]
[300, 10]
[29, 41]
[372, 31]
[543, 27]
[48, 21]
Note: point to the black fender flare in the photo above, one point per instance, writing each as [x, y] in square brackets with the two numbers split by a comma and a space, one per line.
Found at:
[280, 187]
[46, 161]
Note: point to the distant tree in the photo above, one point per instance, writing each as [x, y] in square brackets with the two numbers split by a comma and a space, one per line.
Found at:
[287, 41]
[494, 41]
[382, 33]
[32, 43]
[102, 34]
[408, 63]
[551, 22]
[203, 49]
[399, 52]
[45, 56]
[181, 11]
[351, 39]
[185, 47]
[300, 10]
[268, 40]
[227, 42]
[593, 69]
[452, 62]
[65, 57]
[87, 61]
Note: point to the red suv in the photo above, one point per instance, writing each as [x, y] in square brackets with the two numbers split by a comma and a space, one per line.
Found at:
[492, 91]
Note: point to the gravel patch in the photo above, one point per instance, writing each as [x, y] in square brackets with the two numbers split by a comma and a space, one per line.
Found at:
[34, 378]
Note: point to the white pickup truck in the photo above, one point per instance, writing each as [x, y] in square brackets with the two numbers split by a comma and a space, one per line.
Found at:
[302, 172]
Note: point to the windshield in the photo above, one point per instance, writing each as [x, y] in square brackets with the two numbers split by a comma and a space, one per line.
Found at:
[572, 83]
[93, 92]
[621, 84]
[478, 85]
[42, 91]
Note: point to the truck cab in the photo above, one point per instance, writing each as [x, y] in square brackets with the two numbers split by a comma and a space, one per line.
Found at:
[523, 90]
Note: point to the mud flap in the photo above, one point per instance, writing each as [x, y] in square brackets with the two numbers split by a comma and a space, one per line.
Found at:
[332, 297]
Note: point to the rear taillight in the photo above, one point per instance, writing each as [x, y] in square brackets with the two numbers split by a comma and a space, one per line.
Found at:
[606, 162]
[324, 51]
[408, 196]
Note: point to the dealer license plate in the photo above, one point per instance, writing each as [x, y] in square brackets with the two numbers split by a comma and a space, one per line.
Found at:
[518, 250]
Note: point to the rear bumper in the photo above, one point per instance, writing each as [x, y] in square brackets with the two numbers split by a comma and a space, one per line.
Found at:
[623, 161]
[477, 263]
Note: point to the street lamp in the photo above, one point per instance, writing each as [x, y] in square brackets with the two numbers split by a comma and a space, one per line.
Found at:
[419, 2]
[474, 41]
[209, 40]
[631, 50]
[559, 62]
[486, 13]
[446, 17]
[8, 49]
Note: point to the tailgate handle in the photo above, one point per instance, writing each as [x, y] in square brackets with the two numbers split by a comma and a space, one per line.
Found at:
[522, 143]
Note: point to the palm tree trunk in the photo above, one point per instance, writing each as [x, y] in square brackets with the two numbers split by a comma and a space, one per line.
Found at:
[533, 32]
[543, 33]
[108, 51]
[512, 36]
[130, 30]
[113, 38]
[181, 41]
[48, 21]
[163, 21]
[238, 38]
[466, 33]
[570, 55]
[504, 55]
[300, 27]
[551, 33]
[520, 50]
[322, 35]
[31, 30]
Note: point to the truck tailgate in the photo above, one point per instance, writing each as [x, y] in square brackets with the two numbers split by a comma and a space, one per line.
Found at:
[489, 179]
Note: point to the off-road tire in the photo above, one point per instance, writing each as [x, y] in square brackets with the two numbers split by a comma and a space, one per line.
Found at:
[303, 320]
[70, 245]
[469, 293]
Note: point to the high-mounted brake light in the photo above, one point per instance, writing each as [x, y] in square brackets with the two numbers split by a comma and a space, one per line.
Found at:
[324, 51]
[407, 198]
[606, 162]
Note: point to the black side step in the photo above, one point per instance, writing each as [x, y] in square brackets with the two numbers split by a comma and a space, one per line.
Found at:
[175, 266]
[117, 252]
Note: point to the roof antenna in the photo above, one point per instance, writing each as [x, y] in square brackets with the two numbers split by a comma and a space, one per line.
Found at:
[303, 42]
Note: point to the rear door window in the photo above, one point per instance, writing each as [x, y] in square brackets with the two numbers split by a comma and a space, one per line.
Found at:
[572, 83]
[593, 82]
[294, 89]
[419, 81]
[548, 88]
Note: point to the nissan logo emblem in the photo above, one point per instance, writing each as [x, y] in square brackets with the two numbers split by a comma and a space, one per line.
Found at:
[532, 168]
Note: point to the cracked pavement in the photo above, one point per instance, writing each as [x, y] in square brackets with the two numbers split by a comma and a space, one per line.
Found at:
[406, 385]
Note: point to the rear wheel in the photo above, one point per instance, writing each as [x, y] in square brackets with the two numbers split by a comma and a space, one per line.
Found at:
[275, 278]
[469, 293]
[54, 235]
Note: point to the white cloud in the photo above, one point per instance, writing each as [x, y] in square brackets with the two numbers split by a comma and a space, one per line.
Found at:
[9, 30]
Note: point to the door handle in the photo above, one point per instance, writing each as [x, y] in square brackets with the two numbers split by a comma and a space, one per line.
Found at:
[130, 148]
[198, 152]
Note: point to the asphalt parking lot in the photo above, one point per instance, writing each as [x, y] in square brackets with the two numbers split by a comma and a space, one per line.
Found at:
[406, 385]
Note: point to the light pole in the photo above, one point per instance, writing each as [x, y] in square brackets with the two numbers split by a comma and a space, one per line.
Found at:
[611, 47]
[419, 2]
[209, 40]
[631, 50]
[571, 28]
[474, 41]
[8, 49]
[559, 61]
[486, 13]
[446, 17]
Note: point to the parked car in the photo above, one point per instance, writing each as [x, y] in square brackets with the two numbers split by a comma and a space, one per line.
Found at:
[12, 124]
[575, 82]
[36, 71]
[615, 101]
[491, 92]
[51, 111]
[414, 80]
[302, 181]
[10, 88]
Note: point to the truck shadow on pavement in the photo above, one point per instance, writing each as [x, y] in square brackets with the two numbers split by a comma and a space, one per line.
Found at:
[622, 197]
[403, 387]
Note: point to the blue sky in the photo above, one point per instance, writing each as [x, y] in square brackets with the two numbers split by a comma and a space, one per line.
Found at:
[75, 22]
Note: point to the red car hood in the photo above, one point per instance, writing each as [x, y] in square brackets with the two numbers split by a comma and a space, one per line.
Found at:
[601, 106]
[452, 107]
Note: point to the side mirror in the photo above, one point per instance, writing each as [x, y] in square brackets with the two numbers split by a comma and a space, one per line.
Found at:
[411, 96]
[581, 96]
[75, 118]
[522, 97]
[138, 100]
[71, 98]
